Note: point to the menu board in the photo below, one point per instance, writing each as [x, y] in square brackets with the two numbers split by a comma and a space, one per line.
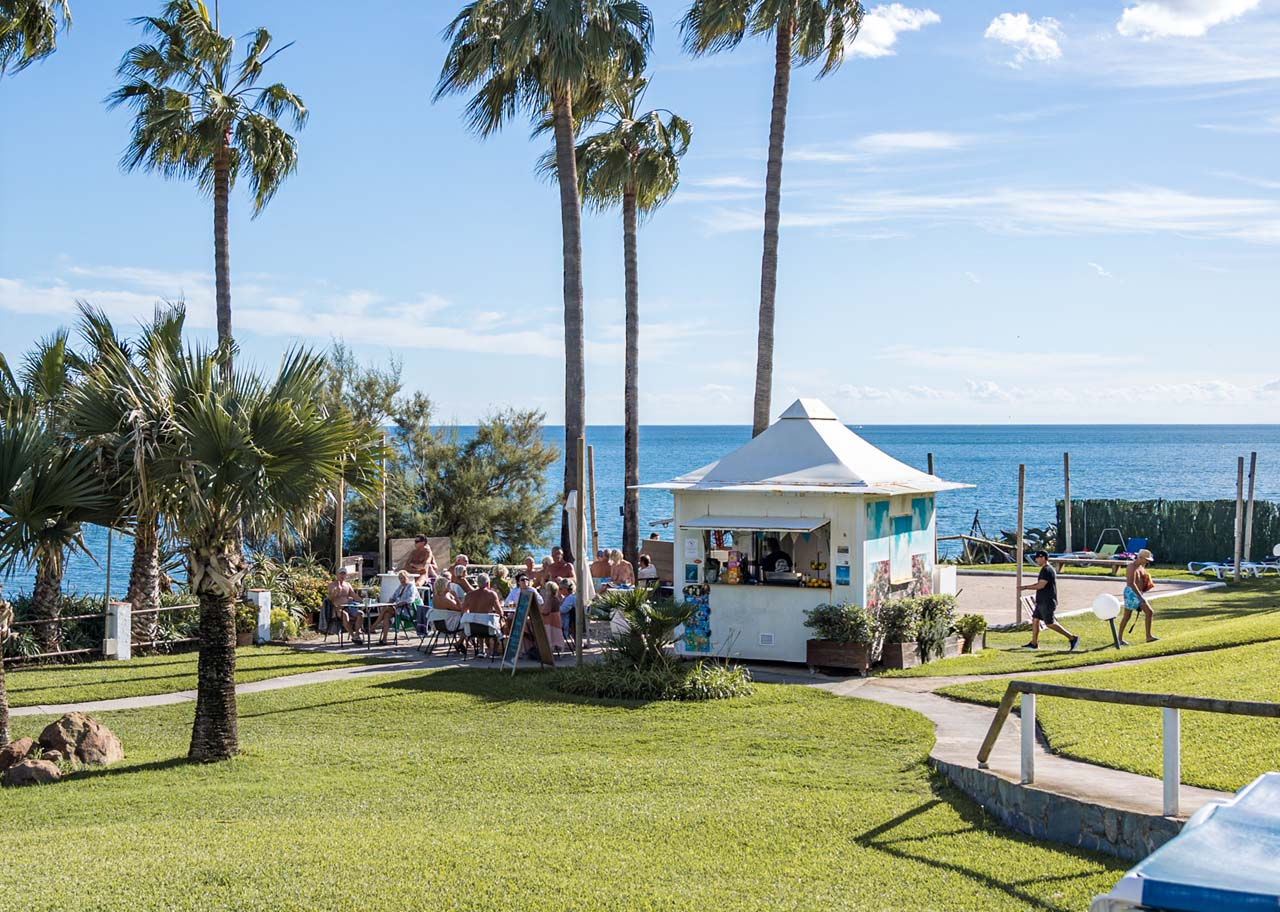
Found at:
[526, 614]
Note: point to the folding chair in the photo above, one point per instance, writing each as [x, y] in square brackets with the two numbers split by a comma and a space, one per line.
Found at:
[328, 623]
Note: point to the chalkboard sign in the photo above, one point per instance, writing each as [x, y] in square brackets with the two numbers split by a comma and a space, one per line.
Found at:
[527, 613]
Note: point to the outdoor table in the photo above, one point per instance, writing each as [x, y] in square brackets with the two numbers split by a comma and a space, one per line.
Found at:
[371, 611]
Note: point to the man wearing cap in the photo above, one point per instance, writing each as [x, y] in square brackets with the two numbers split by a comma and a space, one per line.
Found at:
[1137, 584]
[1046, 590]
[342, 596]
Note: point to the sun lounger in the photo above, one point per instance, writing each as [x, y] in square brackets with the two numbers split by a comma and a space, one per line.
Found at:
[1224, 569]
[1224, 859]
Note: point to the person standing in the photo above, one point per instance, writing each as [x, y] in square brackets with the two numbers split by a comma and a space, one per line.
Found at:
[1046, 590]
[420, 562]
[1138, 583]
[561, 569]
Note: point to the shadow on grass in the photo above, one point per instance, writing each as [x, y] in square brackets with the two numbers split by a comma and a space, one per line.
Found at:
[882, 839]
[126, 769]
[527, 685]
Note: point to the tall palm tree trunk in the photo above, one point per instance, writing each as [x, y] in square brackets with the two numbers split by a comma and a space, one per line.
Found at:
[217, 571]
[222, 246]
[575, 371]
[46, 605]
[144, 576]
[772, 205]
[630, 385]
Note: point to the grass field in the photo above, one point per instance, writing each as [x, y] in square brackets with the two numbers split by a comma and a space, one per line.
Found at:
[461, 789]
[1222, 752]
[52, 684]
[1242, 613]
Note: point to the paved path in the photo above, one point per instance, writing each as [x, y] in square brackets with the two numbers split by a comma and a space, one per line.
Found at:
[991, 592]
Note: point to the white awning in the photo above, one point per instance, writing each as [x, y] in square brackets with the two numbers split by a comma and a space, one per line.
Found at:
[757, 523]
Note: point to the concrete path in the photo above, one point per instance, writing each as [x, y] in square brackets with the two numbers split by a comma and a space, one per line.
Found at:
[991, 593]
[961, 727]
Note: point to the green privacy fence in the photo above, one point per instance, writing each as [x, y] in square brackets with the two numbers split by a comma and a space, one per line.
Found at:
[1178, 530]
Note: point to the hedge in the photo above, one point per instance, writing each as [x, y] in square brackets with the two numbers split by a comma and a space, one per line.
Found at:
[1178, 531]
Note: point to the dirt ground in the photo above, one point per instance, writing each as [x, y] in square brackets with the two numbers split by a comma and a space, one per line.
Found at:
[991, 594]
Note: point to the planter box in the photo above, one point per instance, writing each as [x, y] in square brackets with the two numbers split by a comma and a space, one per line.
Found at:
[900, 655]
[952, 647]
[244, 639]
[830, 654]
[979, 643]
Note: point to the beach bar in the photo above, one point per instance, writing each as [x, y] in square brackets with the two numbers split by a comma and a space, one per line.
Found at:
[804, 514]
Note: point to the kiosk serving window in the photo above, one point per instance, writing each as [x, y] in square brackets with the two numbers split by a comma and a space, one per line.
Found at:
[767, 550]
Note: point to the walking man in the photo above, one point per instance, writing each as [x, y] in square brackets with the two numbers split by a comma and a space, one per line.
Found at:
[1046, 590]
[1137, 584]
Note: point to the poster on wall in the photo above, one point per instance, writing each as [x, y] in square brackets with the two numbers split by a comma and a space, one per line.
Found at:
[842, 574]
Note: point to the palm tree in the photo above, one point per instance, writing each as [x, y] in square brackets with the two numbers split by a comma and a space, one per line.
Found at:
[633, 163]
[122, 403]
[198, 117]
[803, 31]
[532, 57]
[29, 31]
[244, 451]
[60, 491]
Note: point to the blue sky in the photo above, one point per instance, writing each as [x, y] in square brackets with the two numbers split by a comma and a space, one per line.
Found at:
[1047, 212]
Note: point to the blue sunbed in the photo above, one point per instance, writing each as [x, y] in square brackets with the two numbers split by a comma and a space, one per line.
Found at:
[1226, 859]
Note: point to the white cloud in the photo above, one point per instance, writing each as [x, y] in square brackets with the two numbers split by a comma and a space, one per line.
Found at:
[962, 360]
[1100, 271]
[876, 145]
[1032, 39]
[849, 391]
[882, 24]
[1179, 18]
[973, 278]
[987, 390]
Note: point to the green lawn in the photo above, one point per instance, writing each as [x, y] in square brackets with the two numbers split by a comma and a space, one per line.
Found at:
[51, 684]
[1158, 571]
[1222, 752]
[467, 790]
[1242, 613]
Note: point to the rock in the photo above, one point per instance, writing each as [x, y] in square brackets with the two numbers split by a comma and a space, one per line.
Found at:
[83, 739]
[32, 772]
[16, 751]
[52, 756]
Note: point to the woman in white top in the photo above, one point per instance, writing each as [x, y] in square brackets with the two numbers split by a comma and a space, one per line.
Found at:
[404, 596]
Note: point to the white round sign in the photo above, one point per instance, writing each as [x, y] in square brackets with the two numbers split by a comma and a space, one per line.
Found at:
[1106, 606]
[1275, 552]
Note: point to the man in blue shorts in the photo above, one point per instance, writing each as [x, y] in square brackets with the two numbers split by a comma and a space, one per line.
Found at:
[1046, 590]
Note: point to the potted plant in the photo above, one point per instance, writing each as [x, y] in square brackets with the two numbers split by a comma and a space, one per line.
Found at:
[898, 621]
[246, 623]
[934, 637]
[844, 637]
[973, 630]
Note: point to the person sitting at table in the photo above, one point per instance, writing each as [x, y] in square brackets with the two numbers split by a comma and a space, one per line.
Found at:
[568, 605]
[483, 600]
[647, 573]
[621, 574]
[600, 567]
[561, 569]
[420, 562]
[551, 615]
[459, 582]
[523, 584]
[445, 599]
[543, 576]
[401, 600]
[502, 580]
[342, 596]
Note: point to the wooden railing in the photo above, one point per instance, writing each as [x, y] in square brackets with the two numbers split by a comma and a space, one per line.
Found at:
[92, 650]
[1171, 706]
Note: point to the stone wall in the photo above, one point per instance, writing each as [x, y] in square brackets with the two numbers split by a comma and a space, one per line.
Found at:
[1061, 819]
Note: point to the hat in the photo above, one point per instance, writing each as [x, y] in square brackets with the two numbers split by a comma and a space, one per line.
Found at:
[1146, 555]
[1040, 554]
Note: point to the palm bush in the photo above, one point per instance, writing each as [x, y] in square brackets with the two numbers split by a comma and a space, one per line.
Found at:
[649, 623]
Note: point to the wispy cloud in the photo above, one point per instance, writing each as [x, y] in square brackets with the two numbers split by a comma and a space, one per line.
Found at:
[973, 278]
[882, 25]
[1179, 18]
[1033, 40]
[1269, 124]
[879, 145]
[1100, 271]
[1264, 183]
[1035, 114]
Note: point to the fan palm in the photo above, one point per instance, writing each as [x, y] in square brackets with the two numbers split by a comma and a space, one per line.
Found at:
[633, 163]
[198, 116]
[29, 31]
[123, 404]
[530, 57]
[244, 451]
[803, 31]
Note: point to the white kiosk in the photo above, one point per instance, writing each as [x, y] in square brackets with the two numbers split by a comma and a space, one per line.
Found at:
[853, 524]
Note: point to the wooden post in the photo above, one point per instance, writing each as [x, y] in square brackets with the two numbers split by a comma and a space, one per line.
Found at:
[382, 511]
[338, 520]
[1066, 500]
[595, 530]
[580, 612]
[1248, 512]
[935, 517]
[1239, 547]
[1022, 493]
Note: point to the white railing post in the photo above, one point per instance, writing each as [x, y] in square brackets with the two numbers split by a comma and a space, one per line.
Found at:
[1172, 759]
[1028, 738]
[118, 637]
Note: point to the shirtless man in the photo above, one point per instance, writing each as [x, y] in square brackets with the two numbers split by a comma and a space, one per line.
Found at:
[561, 569]
[484, 600]
[600, 568]
[420, 562]
[1137, 583]
[342, 596]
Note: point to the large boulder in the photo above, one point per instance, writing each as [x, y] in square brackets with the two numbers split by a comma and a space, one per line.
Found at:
[32, 772]
[82, 739]
[17, 750]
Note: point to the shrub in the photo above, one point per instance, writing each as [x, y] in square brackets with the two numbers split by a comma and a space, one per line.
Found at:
[936, 616]
[246, 618]
[970, 627]
[842, 623]
[650, 623]
[899, 619]
[283, 625]
[617, 680]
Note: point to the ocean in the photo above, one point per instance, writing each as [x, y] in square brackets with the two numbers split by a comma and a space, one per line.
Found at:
[1136, 462]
